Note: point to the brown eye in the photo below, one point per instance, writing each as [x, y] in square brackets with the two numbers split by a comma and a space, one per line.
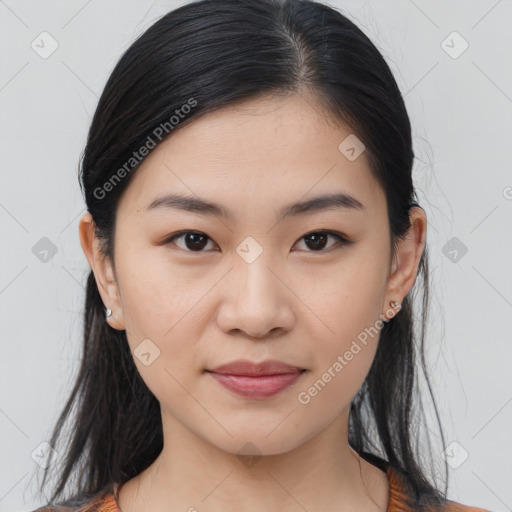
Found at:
[317, 241]
[193, 241]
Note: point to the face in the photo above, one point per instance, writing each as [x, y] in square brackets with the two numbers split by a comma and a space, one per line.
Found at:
[195, 288]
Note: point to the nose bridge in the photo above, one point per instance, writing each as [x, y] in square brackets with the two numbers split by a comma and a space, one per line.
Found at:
[254, 279]
[254, 299]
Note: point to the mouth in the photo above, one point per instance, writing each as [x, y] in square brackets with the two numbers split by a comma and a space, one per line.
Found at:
[257, 386]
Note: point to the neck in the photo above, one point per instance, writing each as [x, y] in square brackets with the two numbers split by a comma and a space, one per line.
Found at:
[192, 472]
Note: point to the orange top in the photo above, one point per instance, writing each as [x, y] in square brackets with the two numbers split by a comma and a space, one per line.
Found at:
[400, 500]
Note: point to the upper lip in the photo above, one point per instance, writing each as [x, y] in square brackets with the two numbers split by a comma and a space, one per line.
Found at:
[246, 367]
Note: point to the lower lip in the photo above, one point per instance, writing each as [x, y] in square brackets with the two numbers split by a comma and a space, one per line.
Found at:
[256, 387]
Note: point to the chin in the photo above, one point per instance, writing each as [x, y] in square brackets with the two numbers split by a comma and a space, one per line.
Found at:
[256, 442]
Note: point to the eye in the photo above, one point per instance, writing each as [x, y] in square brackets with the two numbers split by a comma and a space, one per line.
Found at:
[318, 239]
[195, 241]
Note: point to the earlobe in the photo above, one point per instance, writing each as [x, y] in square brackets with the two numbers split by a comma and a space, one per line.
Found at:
[394, 308]
[102, 269]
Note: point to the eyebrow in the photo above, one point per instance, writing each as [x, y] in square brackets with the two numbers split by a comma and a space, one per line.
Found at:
[321, 203]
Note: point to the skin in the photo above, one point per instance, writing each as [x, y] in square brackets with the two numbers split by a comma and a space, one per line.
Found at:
[295, 303]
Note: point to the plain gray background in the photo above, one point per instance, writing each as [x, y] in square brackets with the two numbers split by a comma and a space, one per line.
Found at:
[460, 103]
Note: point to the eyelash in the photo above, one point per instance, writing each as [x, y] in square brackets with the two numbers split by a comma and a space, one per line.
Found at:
[343, 241]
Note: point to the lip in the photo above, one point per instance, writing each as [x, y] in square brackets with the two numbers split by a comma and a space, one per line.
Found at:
[256, 380]
[249, 368]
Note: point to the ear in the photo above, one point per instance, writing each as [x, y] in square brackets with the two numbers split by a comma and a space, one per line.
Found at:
[405, 263]
[103, 271]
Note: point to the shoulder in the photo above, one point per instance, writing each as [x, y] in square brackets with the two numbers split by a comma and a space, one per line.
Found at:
[404, 499]
[103, 502]
[453, 506]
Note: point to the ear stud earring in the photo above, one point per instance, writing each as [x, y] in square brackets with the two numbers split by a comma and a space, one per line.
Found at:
[108, 313]
[394, 304]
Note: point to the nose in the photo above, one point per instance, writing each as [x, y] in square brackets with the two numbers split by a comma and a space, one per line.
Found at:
[255, 300]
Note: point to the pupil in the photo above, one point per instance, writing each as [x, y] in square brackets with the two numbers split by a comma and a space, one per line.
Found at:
[196, 245]
[323, 238]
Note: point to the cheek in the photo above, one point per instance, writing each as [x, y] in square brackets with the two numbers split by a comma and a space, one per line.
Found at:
[159, 305]
[155, 293]
[160, 319]
[342, 362]
[348, 330]
[349, 299]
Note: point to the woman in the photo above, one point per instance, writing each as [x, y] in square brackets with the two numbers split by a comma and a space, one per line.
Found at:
[254, 240]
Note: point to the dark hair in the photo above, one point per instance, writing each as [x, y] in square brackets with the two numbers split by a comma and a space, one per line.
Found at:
[196, 59]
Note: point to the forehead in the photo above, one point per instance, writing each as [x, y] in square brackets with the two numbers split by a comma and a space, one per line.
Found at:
[277, 149]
